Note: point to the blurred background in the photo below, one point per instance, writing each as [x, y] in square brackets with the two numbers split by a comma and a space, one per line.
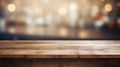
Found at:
[59, 19]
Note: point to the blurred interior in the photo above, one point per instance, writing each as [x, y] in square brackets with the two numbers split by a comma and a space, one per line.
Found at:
[59, 19]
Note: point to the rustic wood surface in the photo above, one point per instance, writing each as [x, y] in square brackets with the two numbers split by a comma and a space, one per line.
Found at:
[60, 49]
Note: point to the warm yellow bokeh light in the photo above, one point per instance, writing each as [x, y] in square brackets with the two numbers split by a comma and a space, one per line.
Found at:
[11, 7]
[63, 31]
[82, 34]
[62, 11]
[30, 30]
[102, 0]
[108, 7]
[84, 0]
[12, 30]
[73, 6]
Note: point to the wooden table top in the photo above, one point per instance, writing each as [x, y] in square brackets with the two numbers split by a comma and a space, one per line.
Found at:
[60, 49]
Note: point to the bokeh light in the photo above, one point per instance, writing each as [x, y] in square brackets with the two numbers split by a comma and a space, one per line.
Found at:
[67, 17]
[82, 34]
[12, 30]
[63, 31]
[11, 7]
[62, 11]
[108, 7]
[73, 6]
[95, 10]
[102, 0]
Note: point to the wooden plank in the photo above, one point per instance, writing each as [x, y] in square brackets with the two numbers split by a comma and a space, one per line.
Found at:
[60, 49]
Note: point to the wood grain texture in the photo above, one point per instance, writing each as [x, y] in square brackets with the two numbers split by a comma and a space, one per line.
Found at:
[60, 49]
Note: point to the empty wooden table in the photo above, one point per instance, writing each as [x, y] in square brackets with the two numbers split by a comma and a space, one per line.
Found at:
[60, 49]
